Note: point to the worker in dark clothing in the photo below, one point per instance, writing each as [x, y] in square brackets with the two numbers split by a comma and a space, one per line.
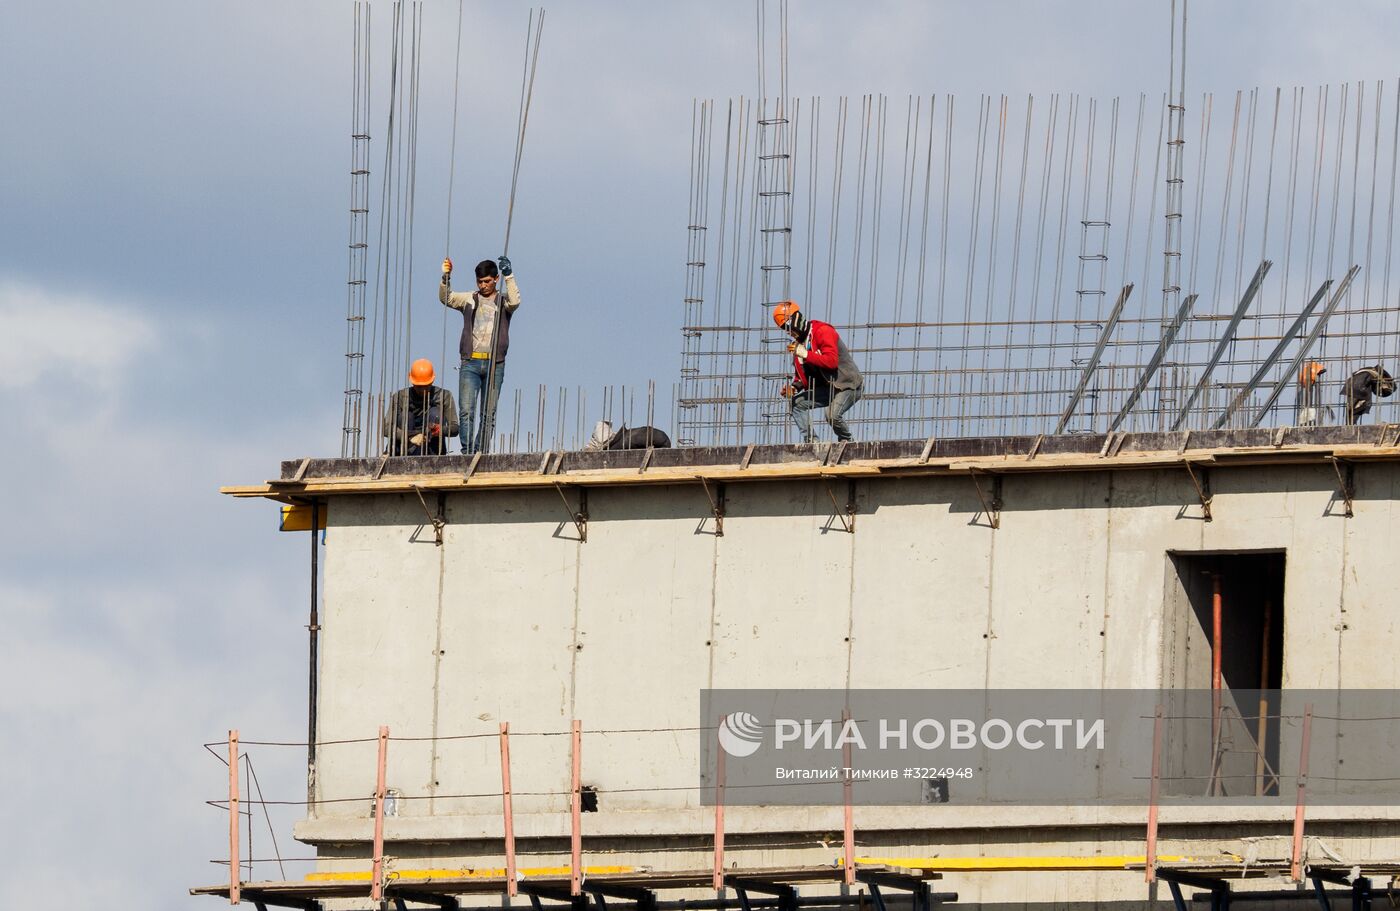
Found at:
[1362, 386]
[824, 375]
[421, 418]
[604, 438]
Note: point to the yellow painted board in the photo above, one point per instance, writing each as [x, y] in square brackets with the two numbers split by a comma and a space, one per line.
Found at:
[297, 517]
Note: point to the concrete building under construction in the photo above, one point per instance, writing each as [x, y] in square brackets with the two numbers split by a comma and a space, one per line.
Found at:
[608, 590]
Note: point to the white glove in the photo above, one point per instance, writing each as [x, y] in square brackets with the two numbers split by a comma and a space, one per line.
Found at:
[800, 350]
[416, 439]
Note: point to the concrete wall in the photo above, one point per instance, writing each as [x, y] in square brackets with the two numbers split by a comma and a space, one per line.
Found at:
[514, 619]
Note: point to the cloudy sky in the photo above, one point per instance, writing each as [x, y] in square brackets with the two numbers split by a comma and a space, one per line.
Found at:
[173, 198]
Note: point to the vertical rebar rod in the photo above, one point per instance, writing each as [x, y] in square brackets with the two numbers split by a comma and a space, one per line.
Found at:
[235, 868]
[507, 810]
[575, 808]
[1176, 143]
[377, 857]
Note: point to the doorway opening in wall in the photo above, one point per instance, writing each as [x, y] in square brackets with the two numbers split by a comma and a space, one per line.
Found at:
[1225, 645]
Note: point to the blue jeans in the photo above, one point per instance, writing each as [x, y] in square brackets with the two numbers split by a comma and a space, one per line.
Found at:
[835, 405]
[471, 387]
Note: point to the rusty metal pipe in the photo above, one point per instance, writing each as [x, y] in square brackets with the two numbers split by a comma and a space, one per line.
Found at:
[1261, 737]
[1216, 650]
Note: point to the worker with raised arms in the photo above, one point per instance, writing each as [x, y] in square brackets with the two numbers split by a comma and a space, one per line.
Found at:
[485, 341]
[824, 375]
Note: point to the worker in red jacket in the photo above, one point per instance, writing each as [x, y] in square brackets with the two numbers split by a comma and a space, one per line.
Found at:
[824, 375]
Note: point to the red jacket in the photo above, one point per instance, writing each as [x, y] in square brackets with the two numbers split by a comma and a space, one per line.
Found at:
[822, 352]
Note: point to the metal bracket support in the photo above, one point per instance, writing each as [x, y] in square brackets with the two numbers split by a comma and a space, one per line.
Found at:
[261, 901]
[301, 471]
[379, 468]
[742, 886]
[921, 895]
[438, 521]
[1346, 483]
[645, 898]
[1219, 889]
[990, 508]
[471, 466]
[544, 461]
[748, 457]
[1035, 447]
[535, 893]
[646, 460]
[846, 517]
[403, 896]
[716, 499]
[1202, 485]
[834, 452]
[579, 517]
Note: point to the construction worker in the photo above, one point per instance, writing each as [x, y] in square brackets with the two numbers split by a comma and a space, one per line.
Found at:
[1362, 386]
[421, 418]
[1309, 411]
[485, 340]
[824, 375]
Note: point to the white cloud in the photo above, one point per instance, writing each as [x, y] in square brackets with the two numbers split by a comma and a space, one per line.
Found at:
[67, 336]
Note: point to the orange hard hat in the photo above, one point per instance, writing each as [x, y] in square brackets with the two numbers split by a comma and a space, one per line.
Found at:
[1310, 373]
[783, 311]
[421, 373]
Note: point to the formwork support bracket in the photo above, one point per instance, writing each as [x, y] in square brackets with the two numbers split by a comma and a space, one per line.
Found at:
[1201, 482]
[261, 902]
[1113, 442]
[921, 895]
[403, 896]
[645, 898]
[716, 498]
[438, 521]
[927, 450]
[1346, 482]
[580, 516]
[743, 885]
[991, 508]
[1175, 879]
[1361, 889]
[846, 517]
[535, 893]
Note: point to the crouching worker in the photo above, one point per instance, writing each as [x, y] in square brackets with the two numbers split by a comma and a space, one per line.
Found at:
[627, 438]
[422, 418]
[824, 375]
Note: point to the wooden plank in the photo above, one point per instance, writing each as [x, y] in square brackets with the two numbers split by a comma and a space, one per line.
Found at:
[1042, 463]
[464, 882]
